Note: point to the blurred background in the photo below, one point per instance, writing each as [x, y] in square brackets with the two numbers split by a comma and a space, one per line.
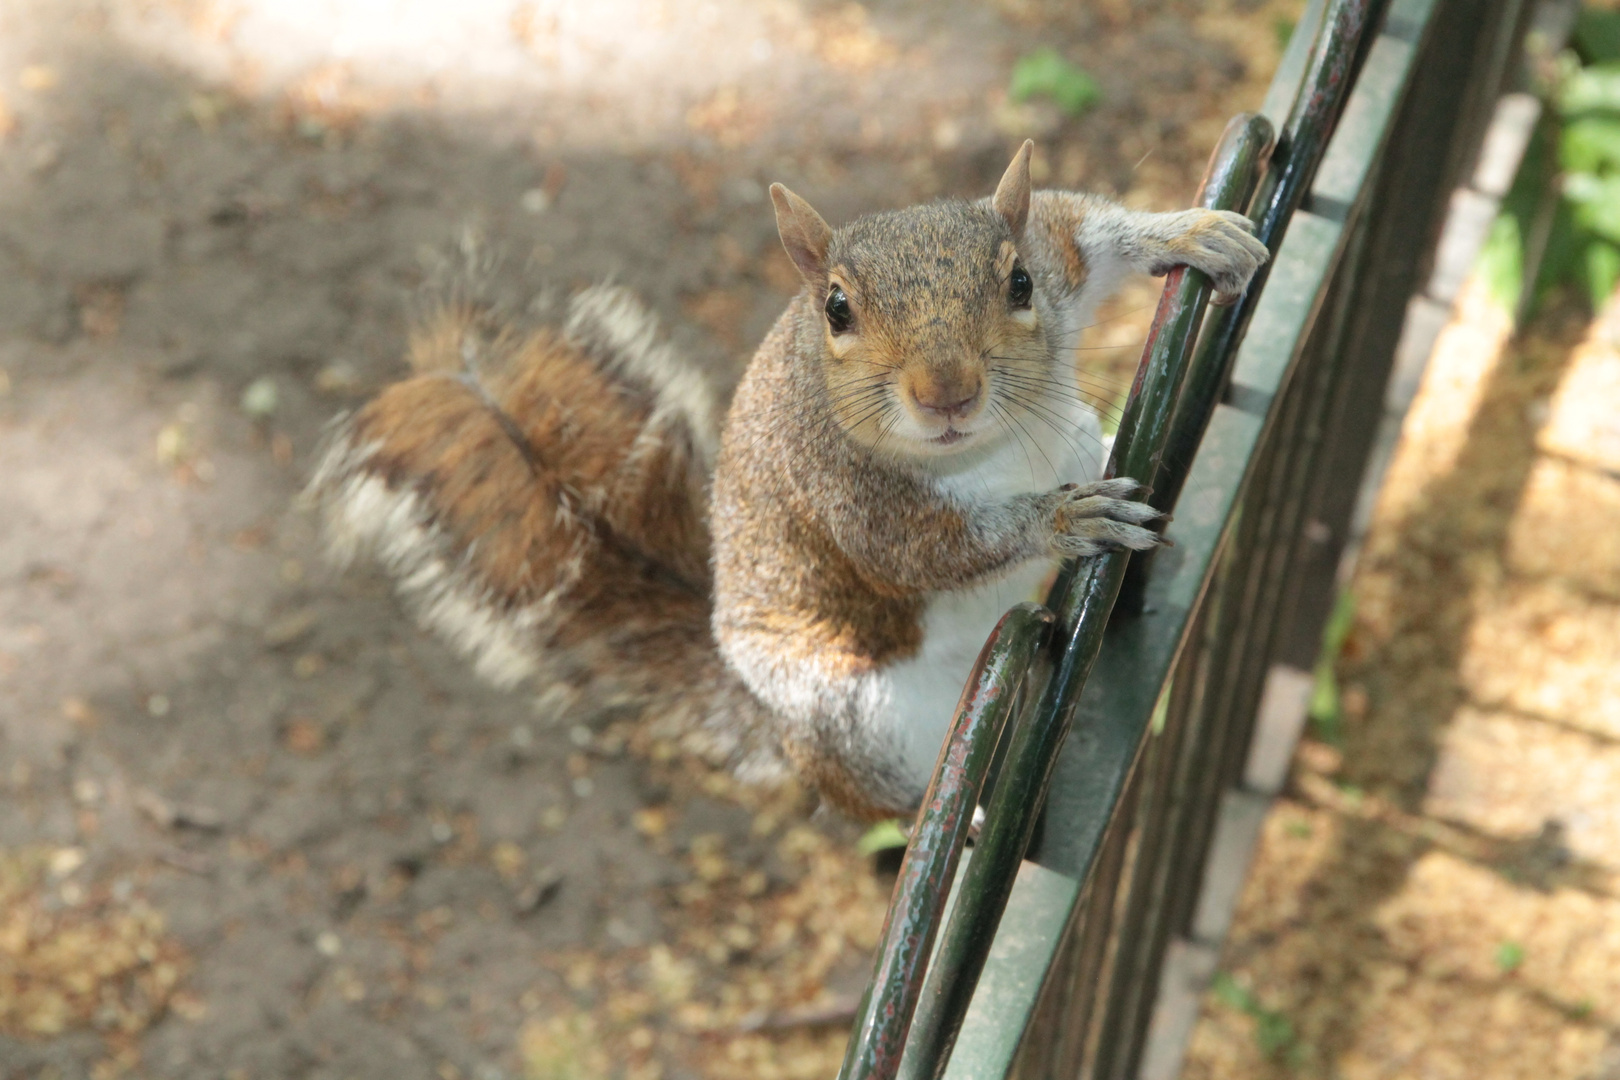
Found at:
[254, 825]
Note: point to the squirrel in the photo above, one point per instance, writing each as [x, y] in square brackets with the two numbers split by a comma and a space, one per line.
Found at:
[802, 581]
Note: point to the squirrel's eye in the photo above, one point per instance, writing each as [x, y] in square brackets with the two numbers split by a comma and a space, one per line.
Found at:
[839, 317]
[1019, 288]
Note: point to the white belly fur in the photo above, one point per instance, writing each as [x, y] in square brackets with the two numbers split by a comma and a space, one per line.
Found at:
[920, 694]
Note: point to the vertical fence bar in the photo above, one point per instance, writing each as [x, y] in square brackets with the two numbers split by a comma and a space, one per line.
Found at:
[1300, 148]
[884, 1016]
[1304, 502]
[1141, 994]
[1134, 980]
[1412, 198]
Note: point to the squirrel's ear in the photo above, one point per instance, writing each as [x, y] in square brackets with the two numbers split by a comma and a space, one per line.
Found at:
[1012, 194]
[804, 234]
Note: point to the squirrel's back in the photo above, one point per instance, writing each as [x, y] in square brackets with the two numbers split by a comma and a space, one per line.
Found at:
[539, 495]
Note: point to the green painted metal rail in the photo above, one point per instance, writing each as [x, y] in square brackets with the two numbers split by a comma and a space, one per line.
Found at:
[942, 828]
[1116, 748]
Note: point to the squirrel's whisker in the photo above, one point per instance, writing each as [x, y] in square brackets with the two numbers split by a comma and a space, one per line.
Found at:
[1089, 377]
[1023, 407]
[1097, 405]
[1048, 379]
[1042, 395]
[1020, 432]
[1077, 331]
[877, 410]
[884, 434]
[1054, 422]
[1100, 397]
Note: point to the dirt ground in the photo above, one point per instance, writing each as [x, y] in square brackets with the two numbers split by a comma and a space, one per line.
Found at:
[252, 823]
[1438, 895]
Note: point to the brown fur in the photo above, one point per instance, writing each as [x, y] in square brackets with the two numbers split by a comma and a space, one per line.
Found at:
[540, 464]
[547, 483]
[1056, 224]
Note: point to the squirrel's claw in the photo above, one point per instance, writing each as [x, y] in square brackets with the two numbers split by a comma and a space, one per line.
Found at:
[1223, 245]
[1090, 519]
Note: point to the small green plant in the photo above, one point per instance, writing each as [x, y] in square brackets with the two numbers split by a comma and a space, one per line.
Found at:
[1161, 708]
[1283, 27]
[1509, 955]
[1044, 73]
[1273, 1034]
[1597, 35]
[881, 837]
[1326, 712]
[1579, 140]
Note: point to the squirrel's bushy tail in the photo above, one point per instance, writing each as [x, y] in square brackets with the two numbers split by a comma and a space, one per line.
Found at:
[538, 494]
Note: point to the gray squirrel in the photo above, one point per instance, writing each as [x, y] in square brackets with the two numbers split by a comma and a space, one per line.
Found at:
[803, 578]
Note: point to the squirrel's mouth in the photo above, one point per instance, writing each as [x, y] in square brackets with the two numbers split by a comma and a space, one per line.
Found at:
[950, 437]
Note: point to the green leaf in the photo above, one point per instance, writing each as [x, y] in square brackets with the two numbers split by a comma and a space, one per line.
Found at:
[1233, 994]
[1597, 203]
[881, 837]
[1283, 27]
[260, 398]
[1601, 272]
[1509, 955]
[1561, 260]
[1597, 35]
[1326, 717]
[1161, 708]
[1273, 1033]
[1044, 73]
[1500, 265]
[1591, 145]
[1592, 89]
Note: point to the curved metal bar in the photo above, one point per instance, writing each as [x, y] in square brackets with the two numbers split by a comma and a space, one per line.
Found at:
[1085, 596]
[937, 839]
[1235, 170]
[1299, 150]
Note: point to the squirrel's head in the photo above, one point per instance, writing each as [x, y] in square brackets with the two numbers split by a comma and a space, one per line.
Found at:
[930, 319]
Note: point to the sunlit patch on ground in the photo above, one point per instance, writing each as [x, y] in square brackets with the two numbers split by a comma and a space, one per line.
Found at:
[77, 955]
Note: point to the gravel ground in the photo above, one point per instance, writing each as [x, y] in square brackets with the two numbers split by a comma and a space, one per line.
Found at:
[254, 824]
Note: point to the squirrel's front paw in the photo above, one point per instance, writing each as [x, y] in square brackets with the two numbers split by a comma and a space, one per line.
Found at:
[1089, 519]
[1221, 244]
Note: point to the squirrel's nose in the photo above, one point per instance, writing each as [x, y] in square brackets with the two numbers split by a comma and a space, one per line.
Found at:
[948, 402]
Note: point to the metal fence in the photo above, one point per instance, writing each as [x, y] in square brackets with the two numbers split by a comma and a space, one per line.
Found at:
[1104, 757]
